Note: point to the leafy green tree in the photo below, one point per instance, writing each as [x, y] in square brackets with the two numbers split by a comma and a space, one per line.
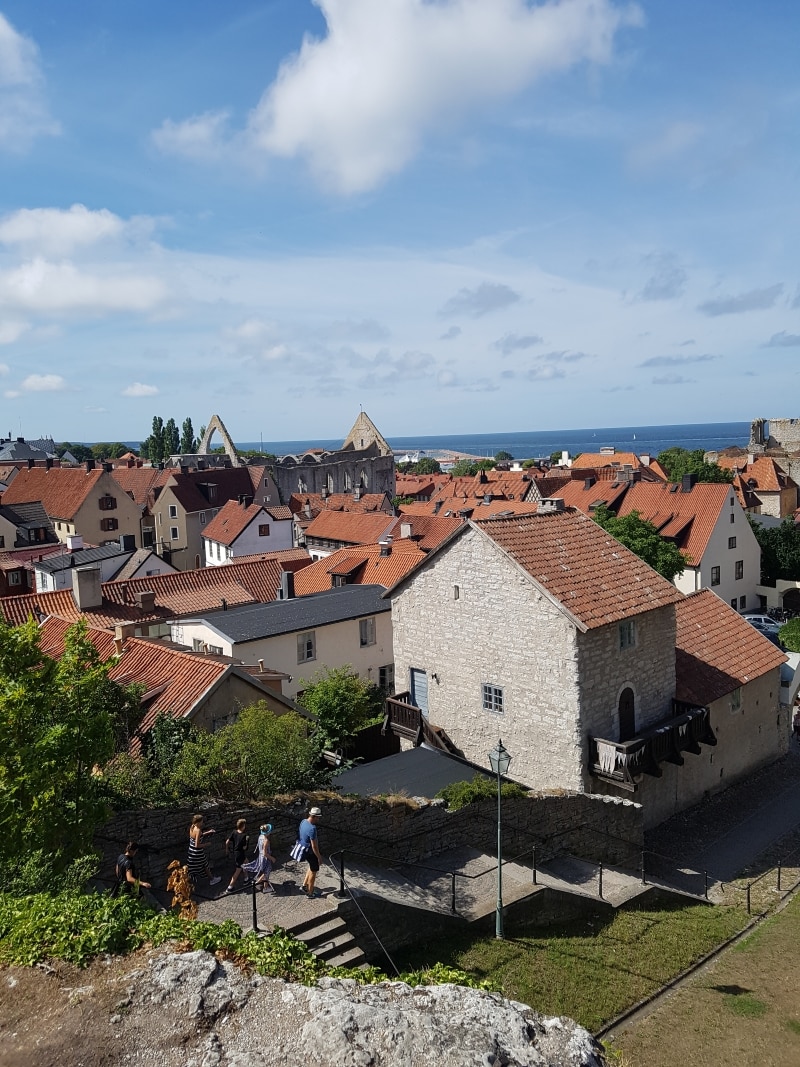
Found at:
[57, 723]
[153, 446]
[80, 452]
[780, 551]
[427, 465]
[164, 741]
[528, 463]
[789, 635]
[172, 439]
[464, 468]
[106, 450]
[188, 445]
[642, 538]
[502, 456]
[555, 457]
[342, 704]
[679, 461]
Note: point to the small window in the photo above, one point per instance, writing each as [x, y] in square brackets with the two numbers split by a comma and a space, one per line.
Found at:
[173, 533]
[742, 603]
[734, 602]
[386, 678]
[215, 650]
[108, 524]
[736, 700]
[627, 634]
[2, 541]
[456, 592]
[492, 699]
[15, 578]
[733, 517]
[197, 645]
[731, 501]
[263, 529]
[160, 519]
[202, 518]
[731, 542]
[107, 503]
[739, 569]
[306, 647]
[715, 575]
[366, 631]
[173, 511]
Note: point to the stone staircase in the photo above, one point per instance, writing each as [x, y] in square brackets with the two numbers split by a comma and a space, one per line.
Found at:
[327, 936]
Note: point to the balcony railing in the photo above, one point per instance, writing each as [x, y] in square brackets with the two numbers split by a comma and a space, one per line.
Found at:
[405, 719]
[624, 762]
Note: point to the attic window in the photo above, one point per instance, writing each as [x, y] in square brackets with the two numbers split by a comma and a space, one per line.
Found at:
[456, 592]
[736, 700]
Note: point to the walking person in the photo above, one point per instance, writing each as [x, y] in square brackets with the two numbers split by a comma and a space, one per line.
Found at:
[307, 836]
[261, 867]
[128, 881]
[198, 862]
[236, 846]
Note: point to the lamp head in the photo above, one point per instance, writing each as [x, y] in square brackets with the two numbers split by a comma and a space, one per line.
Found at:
[499, 758]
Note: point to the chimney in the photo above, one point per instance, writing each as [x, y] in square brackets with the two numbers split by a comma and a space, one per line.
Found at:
[184, 469]
[86, 589]
[20, 440]
[324, 492]
[588, 482]
[74, 542]
[201, 464]
[286, 591]
[386, 548]
[145, 600]
[687, 482]
[551, 504]
[89, 465]
[31, 464]
[108, 467]
[224, 604]
[405, 529]
[645, 458]
[48, 463]
[487, 498]
[357, 493]
[482, 477]
[307, 509]
[132, 461]
[261, 665]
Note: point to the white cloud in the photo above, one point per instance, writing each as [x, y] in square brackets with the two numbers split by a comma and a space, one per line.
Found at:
[49, 288]
[23, 110]
[138, 389]
[486, 297]
[43, 383]
[358, 103]
[11, 330]
[50, 231]
[11, 394]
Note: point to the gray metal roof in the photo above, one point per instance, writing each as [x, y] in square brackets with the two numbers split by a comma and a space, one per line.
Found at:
[253, 621]
[80, 558]
[418, 772]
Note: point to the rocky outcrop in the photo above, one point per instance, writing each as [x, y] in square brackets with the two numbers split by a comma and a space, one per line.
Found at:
[165, 1009]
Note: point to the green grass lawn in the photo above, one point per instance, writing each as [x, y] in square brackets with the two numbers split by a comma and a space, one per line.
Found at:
[590, 968]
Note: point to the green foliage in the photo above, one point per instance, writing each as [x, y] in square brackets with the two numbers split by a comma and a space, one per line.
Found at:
[57, 722]
[104, 450]
[460, 794]
[398, 501]
[679, 461]
[642, 538]
[789, 635]
[164, 742]
[80, 452]
[188, 442]
[427, 465]
[555, 457]
[172, 439]
[528, 463]
[465, 468]
[342, 704]
[269, 753]
[780, 551]
[502, 456]
[42, 872]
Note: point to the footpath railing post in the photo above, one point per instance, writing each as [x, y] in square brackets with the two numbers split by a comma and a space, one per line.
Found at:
[644, 880]
[255, 909]
[453, 892]
[600, 881]
[533, 868]
[705, 884]
[779, 876]
[748, 898]
[341, 873]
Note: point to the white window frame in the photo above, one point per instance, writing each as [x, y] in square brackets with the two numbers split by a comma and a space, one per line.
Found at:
[366, 631]
[174, 533]
[386, 678]
[173, 511]
[492, 698]
[307, 646]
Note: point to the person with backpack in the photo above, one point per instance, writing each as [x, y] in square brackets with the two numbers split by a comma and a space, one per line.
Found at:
[236, 845]
[128, 881]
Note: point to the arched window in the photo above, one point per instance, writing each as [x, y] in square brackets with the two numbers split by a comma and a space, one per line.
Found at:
[627, 715]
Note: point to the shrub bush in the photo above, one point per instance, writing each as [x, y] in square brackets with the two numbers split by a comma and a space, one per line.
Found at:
[459, 794]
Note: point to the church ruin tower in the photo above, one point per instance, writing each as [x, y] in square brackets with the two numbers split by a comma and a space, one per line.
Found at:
[364, 433]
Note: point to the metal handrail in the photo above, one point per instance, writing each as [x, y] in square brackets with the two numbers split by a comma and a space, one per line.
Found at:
[384, 949]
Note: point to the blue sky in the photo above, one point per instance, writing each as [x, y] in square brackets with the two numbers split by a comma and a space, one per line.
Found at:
[462, 215]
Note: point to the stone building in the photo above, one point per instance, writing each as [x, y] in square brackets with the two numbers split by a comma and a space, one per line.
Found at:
[545, 631]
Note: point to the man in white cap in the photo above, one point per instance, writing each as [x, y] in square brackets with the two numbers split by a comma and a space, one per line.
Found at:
[307, 836]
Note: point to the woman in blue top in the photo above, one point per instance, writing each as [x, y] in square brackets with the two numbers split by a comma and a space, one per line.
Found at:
[307, 835]
[261, 867]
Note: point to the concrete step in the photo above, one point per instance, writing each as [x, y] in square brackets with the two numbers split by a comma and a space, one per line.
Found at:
[327, 936]
[569, 874]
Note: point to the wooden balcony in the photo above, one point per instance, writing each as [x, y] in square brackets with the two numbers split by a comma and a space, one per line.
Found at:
[624, 762]
[406, 720]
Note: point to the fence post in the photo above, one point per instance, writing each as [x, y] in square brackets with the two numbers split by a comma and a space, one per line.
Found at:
[341, 873]
[748, 898]
[453, 892]
[644, 880]
[705, 884]
[533, 869]
[600, 881]
[779, 875]
[255, 910]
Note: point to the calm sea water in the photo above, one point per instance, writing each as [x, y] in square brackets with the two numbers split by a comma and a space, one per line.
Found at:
[524, 445]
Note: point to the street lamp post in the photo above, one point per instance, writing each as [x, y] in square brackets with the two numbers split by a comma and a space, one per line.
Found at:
[499, 759]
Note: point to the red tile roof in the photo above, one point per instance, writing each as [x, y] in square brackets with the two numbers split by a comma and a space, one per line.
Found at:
[233, 518]
[577, 494]
[419, 484]
[364, 566]
[18, 609]
[301, 503]
[138, 481]
[595, 578]
[716, 650]
[599, 459]
[687, 517]
[427, 531]
[62, 490]
[186, 592]
[352, 528]
[511, 485]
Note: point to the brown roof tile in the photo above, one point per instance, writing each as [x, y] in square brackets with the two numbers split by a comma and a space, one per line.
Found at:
[62, 490]
[595, 578]
[689, 517]
[365, 565]
[716, 650]
[427, 531]
[352, 528]
[138, 481]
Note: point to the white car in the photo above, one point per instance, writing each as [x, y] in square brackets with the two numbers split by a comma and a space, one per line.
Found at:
[763, 623]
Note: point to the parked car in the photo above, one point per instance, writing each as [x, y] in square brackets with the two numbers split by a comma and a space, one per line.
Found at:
[763, 623]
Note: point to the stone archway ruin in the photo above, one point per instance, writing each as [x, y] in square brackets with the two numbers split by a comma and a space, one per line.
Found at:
[216, 425]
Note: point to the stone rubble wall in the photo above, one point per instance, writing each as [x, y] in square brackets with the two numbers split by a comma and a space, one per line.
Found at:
[600, 828]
